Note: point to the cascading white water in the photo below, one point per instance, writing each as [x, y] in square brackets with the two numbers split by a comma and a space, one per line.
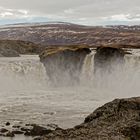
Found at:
[26, 72]
[123, 81]
[87, 69]
[25, 95]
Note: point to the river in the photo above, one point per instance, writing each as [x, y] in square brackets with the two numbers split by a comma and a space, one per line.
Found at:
[26, 97]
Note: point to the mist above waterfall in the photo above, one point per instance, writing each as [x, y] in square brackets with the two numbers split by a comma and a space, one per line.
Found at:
[27, 92]
[21, 73]
[28, 73]
[119, 79]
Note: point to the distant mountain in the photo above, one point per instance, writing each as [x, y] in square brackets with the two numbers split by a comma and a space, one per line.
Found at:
[61, 33]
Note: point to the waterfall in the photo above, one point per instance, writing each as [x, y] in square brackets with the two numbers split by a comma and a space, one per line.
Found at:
[122, 81]
[21, 72]
[24, 89]
[87, 69]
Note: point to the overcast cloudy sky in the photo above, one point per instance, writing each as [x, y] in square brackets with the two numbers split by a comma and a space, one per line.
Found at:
[88, 12]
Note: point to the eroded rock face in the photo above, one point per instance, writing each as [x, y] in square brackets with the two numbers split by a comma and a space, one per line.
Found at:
[64, 64]
[117, 120]
[107, 59]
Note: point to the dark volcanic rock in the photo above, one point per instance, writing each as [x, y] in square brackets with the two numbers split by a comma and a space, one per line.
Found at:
[106, 59]
[32, 130]
[37, 131]
[17, 132]
[117, 120]
[16, 126]
[9, 134]
[7, 123]
[3, 130]
[25, 129]
[37, 138]
[64, 64]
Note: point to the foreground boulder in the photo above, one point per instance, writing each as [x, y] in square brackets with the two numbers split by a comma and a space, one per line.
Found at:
[64, 64]
[117, 120]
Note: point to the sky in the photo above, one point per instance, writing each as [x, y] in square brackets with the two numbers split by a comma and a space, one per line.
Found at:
[86, 12]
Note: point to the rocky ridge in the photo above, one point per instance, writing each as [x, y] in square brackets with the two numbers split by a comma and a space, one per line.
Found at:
[60, 33]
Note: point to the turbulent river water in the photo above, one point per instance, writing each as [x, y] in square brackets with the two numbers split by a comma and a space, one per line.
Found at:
[25, 94]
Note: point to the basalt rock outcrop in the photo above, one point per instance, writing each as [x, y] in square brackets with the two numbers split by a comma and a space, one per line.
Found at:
[106, 59]
[116, 120]
[31, 130]
[64, 64]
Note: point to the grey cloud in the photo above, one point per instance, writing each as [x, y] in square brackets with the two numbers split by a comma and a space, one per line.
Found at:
[44, 6]
[80, 11]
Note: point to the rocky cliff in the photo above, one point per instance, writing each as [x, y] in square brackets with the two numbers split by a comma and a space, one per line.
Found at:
[64, 64]
[107, 59]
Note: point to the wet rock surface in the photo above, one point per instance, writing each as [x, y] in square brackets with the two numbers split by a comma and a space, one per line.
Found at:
[32, 130]
[37, 131]
[9, 134]
[3, 130]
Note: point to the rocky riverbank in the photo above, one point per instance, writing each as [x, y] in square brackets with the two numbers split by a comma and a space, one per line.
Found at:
[28, 130]
[116, 120]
